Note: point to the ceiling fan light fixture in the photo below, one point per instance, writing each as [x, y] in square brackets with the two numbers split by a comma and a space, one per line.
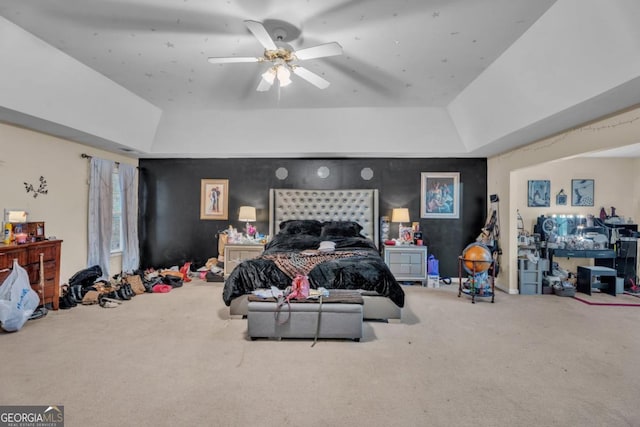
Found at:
[282, 56]
[269, 76]
[284, 75]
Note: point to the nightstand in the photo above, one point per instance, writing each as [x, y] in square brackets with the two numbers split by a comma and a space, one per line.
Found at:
[235, 253]
[408, 263]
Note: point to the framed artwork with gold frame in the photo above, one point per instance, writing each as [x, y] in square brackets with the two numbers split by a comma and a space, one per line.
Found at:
[214, 199]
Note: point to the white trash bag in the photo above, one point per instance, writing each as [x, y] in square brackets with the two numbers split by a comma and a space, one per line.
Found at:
[17, 300]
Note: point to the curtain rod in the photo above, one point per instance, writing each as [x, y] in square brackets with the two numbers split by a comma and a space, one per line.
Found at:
[87, 156]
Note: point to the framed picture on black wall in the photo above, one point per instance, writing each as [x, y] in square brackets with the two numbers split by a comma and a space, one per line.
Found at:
[582, 192]
[214, 199]
[440, 195]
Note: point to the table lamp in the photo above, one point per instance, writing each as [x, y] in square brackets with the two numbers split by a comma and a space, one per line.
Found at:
[247, 214]
[400, 215]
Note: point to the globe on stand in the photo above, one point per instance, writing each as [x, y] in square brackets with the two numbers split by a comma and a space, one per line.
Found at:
[476, 258]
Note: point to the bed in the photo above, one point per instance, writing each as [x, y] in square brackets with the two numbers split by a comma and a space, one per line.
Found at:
[299, 220]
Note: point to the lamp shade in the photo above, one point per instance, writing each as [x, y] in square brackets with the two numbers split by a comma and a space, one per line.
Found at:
[400, 215]
[247, 214]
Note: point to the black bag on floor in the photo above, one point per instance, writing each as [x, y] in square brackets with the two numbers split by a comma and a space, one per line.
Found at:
[173, 281]
[213, 277]
[86, 277]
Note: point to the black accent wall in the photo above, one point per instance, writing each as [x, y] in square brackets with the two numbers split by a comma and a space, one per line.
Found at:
[172, 233]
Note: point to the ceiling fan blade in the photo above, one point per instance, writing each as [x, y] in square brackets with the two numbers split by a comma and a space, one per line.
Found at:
[320, 51]
[232, 59]
[311, 77]
[263, 86]
[261, 34]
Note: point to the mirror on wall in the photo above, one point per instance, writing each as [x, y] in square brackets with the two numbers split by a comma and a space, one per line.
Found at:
[15, 215]
[560, 224]
[576, 232]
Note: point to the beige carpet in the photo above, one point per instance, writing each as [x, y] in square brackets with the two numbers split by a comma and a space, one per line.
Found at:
[176, 359]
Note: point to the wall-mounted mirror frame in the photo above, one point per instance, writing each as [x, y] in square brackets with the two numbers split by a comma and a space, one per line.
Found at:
[15, 215]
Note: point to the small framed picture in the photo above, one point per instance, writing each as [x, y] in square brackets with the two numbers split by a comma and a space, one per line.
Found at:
[561, 198]
[539, 194]
[406, 234]
[214, 199]
[582, 192]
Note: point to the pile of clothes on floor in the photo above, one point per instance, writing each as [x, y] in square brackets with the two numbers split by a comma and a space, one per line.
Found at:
[212, 271]
[89, 287]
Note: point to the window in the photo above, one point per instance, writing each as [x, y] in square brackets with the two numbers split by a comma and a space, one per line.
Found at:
[116, 227]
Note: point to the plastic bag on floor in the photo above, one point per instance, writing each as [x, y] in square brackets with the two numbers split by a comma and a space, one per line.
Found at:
[17, 300]
[433, 266]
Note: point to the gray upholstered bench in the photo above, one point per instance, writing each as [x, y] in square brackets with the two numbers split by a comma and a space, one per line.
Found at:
[340, 317]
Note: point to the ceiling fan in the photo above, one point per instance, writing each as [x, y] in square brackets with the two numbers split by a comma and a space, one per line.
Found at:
[283, 58]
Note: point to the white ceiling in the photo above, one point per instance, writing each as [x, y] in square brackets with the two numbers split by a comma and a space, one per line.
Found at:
[405, 85]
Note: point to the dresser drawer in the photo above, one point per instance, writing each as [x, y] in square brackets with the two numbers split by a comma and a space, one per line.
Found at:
[34, 271]
[404, 269]
[49, 288]
[49, 252]
[405, 258]
[7, 257]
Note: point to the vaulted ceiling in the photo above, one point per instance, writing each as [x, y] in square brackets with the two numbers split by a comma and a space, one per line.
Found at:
[416, 77]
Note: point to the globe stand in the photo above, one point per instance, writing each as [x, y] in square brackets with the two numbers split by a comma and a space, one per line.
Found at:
[478, 262]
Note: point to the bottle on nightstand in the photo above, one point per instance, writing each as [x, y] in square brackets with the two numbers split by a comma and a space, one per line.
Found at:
[417, 234]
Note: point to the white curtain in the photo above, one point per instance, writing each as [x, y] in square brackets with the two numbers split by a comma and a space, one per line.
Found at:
[100, 214]
[129, 198]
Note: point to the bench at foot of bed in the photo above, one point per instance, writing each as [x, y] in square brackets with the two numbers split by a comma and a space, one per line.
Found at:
[338, 316]
[375, 307]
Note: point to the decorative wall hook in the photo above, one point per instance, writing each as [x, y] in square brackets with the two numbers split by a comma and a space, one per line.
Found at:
[42, 189]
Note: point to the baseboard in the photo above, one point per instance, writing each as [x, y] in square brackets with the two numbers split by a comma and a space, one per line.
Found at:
[508, 290]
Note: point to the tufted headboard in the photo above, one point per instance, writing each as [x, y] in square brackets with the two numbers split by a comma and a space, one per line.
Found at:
[356, 205]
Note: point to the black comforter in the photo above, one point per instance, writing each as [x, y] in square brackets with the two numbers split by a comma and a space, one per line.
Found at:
[363, 268]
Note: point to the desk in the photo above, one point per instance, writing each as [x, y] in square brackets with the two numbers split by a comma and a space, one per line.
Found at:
[602, 278]
[604, 254]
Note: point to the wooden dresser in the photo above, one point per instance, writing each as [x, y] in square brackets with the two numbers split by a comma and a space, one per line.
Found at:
[28, 256]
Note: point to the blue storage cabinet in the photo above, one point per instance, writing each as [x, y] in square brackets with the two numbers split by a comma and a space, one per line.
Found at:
[529, 277]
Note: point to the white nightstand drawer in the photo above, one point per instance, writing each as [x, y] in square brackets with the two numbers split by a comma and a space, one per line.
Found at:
[234, 254]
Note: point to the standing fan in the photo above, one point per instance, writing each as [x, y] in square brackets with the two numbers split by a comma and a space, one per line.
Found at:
[283, 57]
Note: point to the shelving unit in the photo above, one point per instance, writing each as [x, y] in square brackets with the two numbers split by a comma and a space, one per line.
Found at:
[529, 277]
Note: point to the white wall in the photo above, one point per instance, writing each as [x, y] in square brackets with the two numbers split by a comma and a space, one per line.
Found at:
[24, 157]
[615, 185]
[576, 52]
[42, 82]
